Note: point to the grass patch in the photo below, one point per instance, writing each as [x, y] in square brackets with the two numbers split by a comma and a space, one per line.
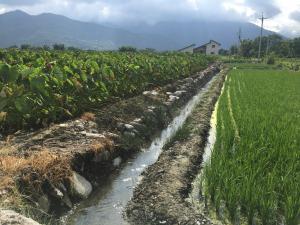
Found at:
[181, 135]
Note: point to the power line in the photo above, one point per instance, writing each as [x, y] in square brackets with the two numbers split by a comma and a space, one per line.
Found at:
[261, 32]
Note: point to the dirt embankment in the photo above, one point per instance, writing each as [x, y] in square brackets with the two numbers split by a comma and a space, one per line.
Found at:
[161, 196]
[59, 165]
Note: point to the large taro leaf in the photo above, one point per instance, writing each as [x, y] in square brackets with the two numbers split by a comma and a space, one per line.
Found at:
[58, 75]
[8, 74]
[38, 84]
[22, 105]
[3, 103]
[4, 72]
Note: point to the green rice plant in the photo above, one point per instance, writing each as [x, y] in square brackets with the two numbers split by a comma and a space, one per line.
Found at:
[255, 165]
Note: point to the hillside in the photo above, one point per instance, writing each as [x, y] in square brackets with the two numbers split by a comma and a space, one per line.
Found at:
[199, 32]
[18, 27]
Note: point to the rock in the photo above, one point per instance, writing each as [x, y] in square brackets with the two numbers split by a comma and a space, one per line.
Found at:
[129, 127]
[63, 125]
[151, 107]
[117, 161]
[9, 217]
[81, 187]
[129, 135]
[44, 203]
[146, 92]
[137, 120]
[179, 93]
[149, 93]
[92, 135]
[139, 127]
[58, 193]
[173, 98]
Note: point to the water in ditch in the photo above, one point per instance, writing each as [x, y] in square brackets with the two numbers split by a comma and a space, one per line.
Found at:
[106, 204]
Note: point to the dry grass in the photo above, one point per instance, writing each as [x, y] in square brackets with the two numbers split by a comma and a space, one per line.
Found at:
[6, 150]
[103, 144]
[88, 116]
[34, 170]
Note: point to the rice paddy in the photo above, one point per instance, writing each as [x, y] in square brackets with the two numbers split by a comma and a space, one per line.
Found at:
[254, 170]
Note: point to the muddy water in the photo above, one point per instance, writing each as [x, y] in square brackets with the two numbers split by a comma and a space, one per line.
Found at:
[105, 206]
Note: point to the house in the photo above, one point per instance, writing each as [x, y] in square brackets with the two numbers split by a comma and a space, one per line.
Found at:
[189, 49]
[210, 48]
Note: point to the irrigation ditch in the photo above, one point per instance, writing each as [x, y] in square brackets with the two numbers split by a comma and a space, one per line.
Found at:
[98, 162]
[162, 197]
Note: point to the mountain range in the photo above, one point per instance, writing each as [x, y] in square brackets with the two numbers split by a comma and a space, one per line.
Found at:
[18, 27]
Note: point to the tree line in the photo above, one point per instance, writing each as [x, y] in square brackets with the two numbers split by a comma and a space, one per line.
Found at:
[271, 45]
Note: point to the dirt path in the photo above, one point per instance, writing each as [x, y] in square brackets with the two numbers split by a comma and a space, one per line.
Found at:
[160, 197]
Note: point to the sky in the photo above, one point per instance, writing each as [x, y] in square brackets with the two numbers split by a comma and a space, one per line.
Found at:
[283, 15]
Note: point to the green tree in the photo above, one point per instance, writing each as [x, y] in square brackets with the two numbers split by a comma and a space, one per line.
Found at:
[233, 50]
[127, 49]
[25, 46]
[223, 52]
[247, 48]
[60, 47]
[296, 47]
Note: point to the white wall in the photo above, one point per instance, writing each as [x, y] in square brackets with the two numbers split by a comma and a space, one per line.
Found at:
[210, 50]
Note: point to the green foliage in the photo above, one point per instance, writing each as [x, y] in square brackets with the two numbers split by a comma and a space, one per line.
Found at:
[59, 47]
[223, 52]
[271, 59]
[39, 87]
[25, 46]
[296, 47]
[233, 50]
[255, 162]
[272, 43]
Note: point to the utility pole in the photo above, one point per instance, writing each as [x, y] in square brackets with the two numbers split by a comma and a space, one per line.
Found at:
[261, 32]
[240, 35]
[240, 41]
[268, 47]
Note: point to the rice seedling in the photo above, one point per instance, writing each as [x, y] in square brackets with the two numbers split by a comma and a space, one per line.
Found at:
[255, 165]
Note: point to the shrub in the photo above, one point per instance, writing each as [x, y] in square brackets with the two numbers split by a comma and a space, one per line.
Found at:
[271, 60]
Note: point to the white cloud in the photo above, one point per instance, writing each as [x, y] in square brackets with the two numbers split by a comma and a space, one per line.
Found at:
[151, 11]
[283, 22]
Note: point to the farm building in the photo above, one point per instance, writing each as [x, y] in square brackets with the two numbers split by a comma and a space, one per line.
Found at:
[189, 49]
[210, 48]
